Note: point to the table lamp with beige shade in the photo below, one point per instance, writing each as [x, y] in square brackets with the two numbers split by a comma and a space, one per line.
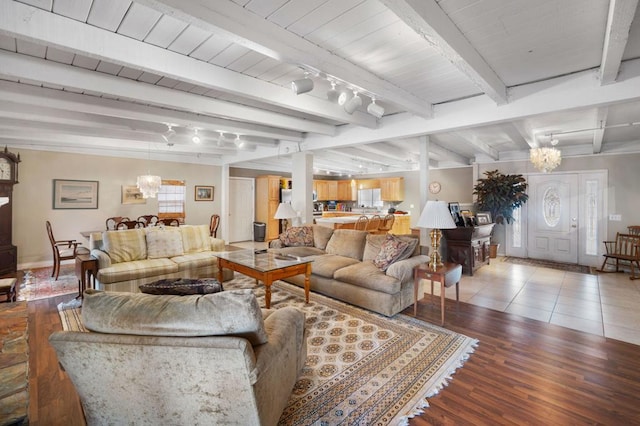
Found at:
[436, 216]
[286, 212]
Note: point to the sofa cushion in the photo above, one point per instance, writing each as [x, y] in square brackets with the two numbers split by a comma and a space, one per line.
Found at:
[125, 245]
[195, 260]
[365, 274]
[137, 269]
[163, 243]
[327, 264]
[195, 238]
[321, 236]
[347, 242]
[182, 286]
[390, 251]
[297, 236]
[228, 313]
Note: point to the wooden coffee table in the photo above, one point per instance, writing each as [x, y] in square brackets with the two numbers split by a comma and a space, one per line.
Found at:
[265, 267]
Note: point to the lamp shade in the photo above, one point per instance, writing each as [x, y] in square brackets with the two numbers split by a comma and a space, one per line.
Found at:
[285, 211]
[436, 215]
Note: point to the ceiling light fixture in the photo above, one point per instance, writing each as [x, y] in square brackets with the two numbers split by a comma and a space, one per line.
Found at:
[353, 103]
[169, 133]
[196, 138]
[545, 158]
[302, 85]
[333, 94]
[239, 142]
[149, 184]
[374, 109]
[220, 141]
[344, 96]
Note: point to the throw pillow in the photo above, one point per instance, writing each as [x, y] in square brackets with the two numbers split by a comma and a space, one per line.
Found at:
[297, 236]
[164, 243]
[182, 286]
[390, 251]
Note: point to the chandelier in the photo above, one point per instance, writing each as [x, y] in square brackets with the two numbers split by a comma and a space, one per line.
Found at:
[149, 185]
[546, 158]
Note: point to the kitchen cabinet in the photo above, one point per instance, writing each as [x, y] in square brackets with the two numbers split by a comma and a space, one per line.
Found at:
[346, 190]
[368, 184]
[468, 246]
[326, 189]
[267, 201]
[392, 189]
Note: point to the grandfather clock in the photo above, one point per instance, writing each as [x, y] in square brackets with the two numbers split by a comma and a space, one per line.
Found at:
[8, 178]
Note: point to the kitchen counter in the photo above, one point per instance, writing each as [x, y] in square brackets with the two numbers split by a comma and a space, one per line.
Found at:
[401, 224]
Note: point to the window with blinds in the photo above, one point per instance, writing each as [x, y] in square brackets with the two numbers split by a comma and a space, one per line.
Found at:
[171, 200]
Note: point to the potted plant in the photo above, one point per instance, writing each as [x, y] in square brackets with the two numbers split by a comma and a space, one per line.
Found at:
[500, 194]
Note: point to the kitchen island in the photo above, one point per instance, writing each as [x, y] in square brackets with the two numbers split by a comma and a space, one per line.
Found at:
[401, 224]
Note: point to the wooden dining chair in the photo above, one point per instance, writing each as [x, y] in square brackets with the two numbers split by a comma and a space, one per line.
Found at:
[374, 224]
[148, 220]
[62, 250]
[113, 221]
[633, 229]
[361, 223]
[386, 224]
[169, 222]
[213, 225]
[129, 224]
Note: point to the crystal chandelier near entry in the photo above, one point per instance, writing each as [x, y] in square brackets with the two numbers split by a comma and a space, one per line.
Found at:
[149, 185]
[545, 159]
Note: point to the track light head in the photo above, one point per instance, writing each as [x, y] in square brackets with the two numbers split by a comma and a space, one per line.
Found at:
[220, 141]
[333, 94]
[374, 109]
[196, 138]
[353, 103]
[344, 96]
[302, 85]
[168, 134]
[239, 142]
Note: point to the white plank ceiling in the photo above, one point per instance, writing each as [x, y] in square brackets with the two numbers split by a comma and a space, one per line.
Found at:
[485, 80]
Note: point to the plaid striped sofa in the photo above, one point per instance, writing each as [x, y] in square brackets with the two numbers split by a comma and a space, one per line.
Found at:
[132, 257]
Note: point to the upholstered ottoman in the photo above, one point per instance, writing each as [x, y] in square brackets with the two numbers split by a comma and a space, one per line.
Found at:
[182, 286]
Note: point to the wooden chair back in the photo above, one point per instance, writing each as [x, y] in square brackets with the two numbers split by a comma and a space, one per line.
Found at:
[387, 223]
[361, 223]
[634, 229]
[113, 221]
[148, 219]
[213, 225]
[169, 222]
[374, 223]
[62, 250]
[129, 224]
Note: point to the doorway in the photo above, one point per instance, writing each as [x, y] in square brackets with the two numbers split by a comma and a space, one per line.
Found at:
[564, 219]
[241, 209]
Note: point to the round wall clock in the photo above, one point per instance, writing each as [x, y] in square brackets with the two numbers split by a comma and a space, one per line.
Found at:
[435, 187]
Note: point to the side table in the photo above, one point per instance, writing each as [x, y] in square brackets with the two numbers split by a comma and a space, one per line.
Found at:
[447, 274]
[86, 267]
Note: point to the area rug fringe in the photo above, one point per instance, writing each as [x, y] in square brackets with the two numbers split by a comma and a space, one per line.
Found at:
[362, 368]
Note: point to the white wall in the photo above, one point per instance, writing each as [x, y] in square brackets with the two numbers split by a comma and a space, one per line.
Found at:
[33, 197]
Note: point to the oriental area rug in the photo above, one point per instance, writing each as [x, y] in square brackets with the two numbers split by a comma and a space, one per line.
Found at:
[362, 368]
[37, 283]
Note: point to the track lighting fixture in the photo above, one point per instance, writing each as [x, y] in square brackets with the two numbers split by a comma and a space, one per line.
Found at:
[353, 103]
[375, 109]
[344, 96]
[333, 94]
[239, 142]
[168, 134]
[302, 85]
[220, 139]
[196, 138]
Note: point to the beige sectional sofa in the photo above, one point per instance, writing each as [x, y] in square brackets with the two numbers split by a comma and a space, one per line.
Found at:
[129, 258]
[347, 265]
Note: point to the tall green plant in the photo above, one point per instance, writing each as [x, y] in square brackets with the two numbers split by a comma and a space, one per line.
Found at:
[500, 194]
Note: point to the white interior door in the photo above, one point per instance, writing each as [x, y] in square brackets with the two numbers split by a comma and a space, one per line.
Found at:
[241, 209]
[553, 217]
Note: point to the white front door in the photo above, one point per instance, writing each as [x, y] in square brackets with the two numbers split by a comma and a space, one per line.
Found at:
[553, 217]
[241, 209]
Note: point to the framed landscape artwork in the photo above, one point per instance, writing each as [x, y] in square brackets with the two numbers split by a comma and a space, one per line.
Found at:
[204, 193]
[132, 195]
[75, 194]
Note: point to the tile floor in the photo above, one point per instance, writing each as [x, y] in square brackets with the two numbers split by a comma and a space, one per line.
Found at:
[604, 304]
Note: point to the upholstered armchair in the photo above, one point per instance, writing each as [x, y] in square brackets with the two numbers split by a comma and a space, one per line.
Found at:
[213, 359]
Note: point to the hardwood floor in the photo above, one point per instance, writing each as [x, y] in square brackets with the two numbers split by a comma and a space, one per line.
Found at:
[523, 372]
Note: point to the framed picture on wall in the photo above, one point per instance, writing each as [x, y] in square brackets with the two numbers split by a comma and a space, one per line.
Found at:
[454, 208]
[483, 218]
[75, 194]
[132, 195]
[204, 193]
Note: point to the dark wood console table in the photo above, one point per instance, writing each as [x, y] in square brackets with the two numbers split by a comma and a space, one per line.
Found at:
[468, 246]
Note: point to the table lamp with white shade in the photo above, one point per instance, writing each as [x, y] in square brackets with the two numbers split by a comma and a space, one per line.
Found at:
[436, 216]
[285, 211]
